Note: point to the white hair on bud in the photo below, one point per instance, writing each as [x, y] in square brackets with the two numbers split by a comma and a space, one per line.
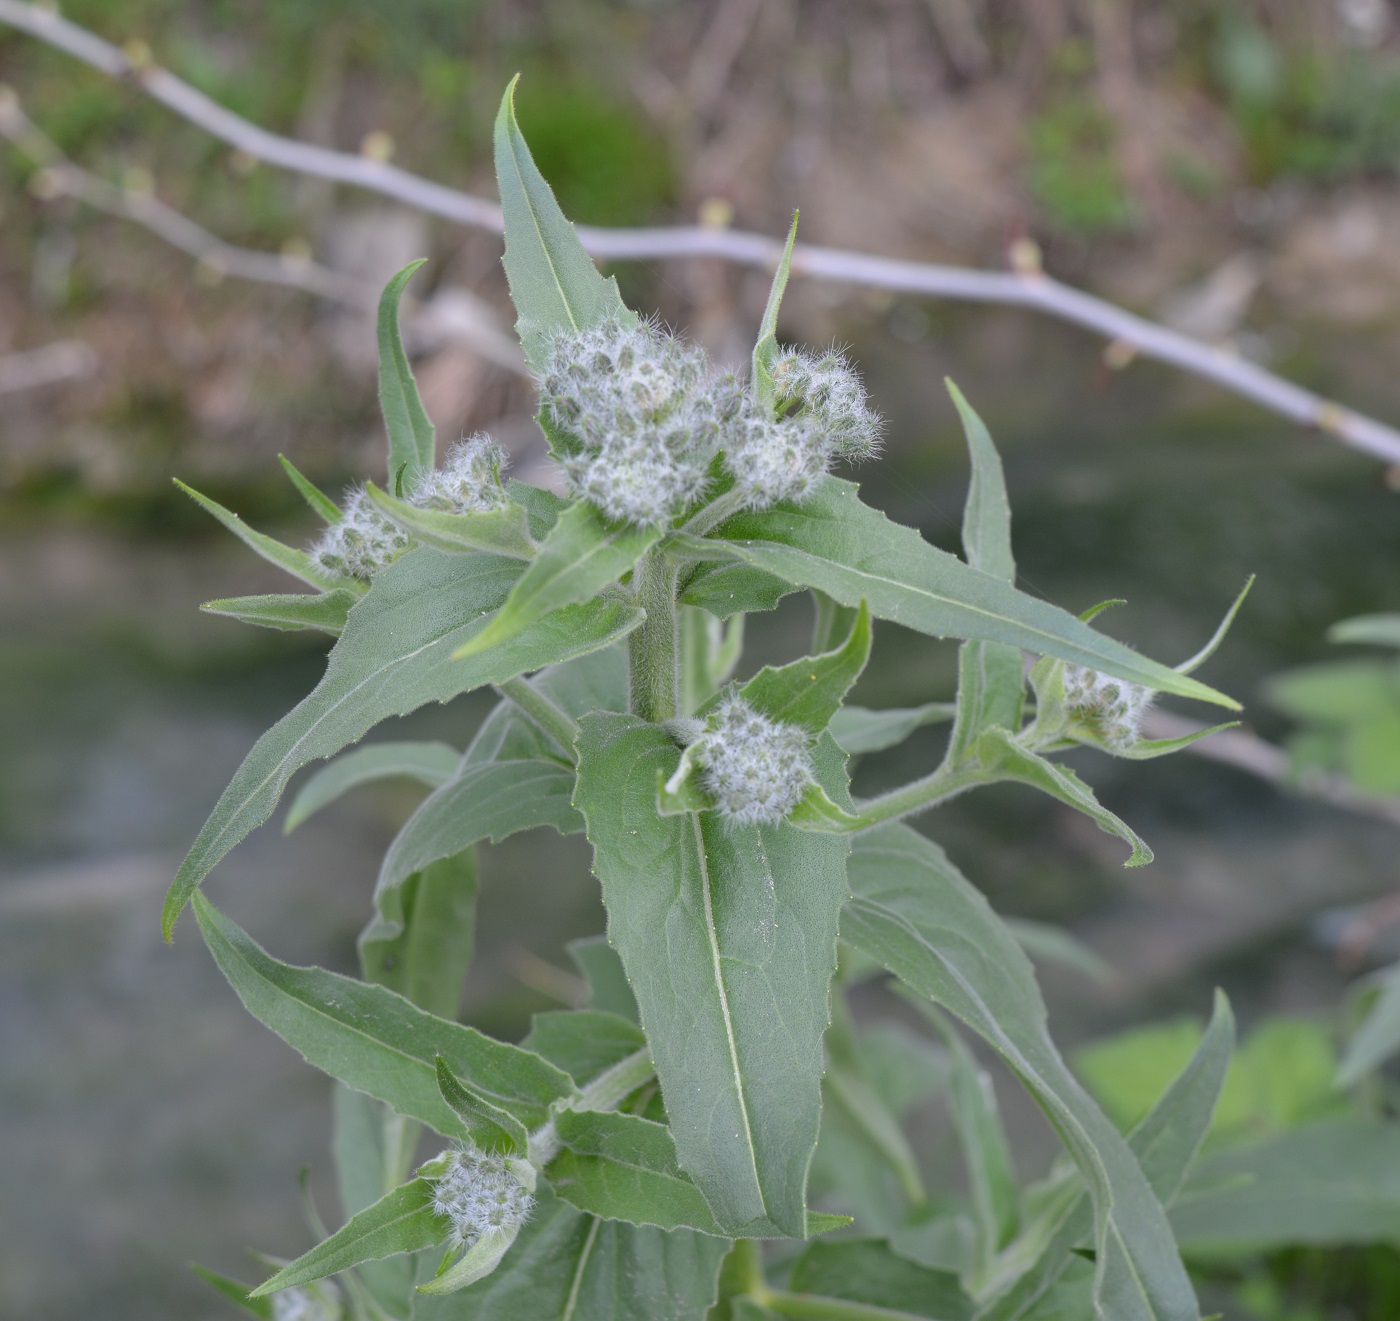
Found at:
[1109, 710]
[477, 1192]
[755, 768]
[829, 393]
[320, 1301]
[469, 482]
[362, 543]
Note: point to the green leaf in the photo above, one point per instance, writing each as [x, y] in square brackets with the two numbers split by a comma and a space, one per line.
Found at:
[235, 1291]
[835, 543]
[568, 1266]
[808, 692]
[412, 441]
[325, 611]
[394, 656]
[296, 562]
[584, 1042]
[583, 554]
[913, 912]
[1000, 752]
[373, 1039]
[431, 764]
[865, 1270]
[607, 981]
[553, 282]
[504, 531]
[858, 729]
[1378, 1037]
[766, 349]
[1380, 630]
[623, 1167]
[479, 1261]
[728, 938]
[1047, 943]
[489, 800]
[726, 590]
[487, 1125]
[400, 1221]
[319, 501]
[986, 530]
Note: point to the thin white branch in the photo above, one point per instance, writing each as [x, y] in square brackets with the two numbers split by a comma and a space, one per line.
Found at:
[1022, 288]
[63, 360]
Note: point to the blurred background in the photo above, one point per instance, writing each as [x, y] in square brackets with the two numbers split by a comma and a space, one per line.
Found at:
[1230, 167]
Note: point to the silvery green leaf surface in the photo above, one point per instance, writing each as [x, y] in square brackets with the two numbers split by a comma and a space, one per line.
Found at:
[728, 938]
[1047, 943]
[766, 348]
[401, 1221]
[323, 611]
[553, 282]
[412, 441]
[809, 692]
[317, 499]
[503, 531]
[608, 988]
[727, 589]
[865, 1270]
[568, 1266]
[478, 1262]
[584, 1042]
[429, 763]
[374, 1040]
[394, 656]
[235, 1291]
[913, 912]
[487, 1126]
[623, 1167]
[582, 554]
[1378, 630]
[835, 543]
[858, 729]
[1378, 1036]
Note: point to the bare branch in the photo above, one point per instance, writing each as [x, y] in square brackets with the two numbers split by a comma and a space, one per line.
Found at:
[1026, 286]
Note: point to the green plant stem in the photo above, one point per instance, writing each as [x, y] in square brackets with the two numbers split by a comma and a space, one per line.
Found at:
[653, 650]
[919, 795]
[550, 717]
[815, 1307]
[606, 1092]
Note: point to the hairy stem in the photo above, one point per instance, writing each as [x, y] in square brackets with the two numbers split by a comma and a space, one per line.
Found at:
[653, 650]
[919, 795]
[548, 715]
[606, 1092]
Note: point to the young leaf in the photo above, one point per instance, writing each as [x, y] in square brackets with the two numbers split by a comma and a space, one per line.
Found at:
[431, 764]
[766, 349]
[1047, 943]
[553, 282]
[296, 562]
[914, 913]
[326, 611]
[400, 1221]
[504, 531]
[476, 1263]
[319, 501]
[608, 986]
[623, 1167]
[235, 1291]
[584, 1042]
[374, 1040]
[412, 441]
[487, 1125]
[858, 729]
[726, 590]
[986, 530]
[582, 555]
[835, 543]
[727, 935]
[394, 656]
[809, 692]
[1000, 752]
[1379, 630]
[1378, 1037]
[866, 1271]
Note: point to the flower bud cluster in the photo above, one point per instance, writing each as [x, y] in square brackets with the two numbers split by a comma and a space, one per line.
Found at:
[756, 769]
[320, 1301]
[1109, 710]
[477, 1192]
[362, 543]
[468, 483]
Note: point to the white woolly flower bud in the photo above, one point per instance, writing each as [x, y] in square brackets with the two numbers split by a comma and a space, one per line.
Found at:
[477, 1192]
[756, 769]
[320, 1301]
[828, 392]
[776, 459]
[362, 543]
[1108, 709]
[469, 482]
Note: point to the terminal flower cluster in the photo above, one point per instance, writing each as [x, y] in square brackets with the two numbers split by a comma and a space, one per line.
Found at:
[756, 769]
[1109, 710]
[477, 1193]
[468, 483]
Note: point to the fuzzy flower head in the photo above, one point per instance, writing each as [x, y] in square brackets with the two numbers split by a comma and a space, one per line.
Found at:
[319, 1301]
[756, 769]
[362, 543]
[1108, 710]
[468, 483]
[827, 391]
[477, 1192]
[637, 416]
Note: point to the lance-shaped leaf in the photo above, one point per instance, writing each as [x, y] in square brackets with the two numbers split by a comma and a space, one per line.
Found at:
[1001, 753]
[623, 1167]
[296, 562]
[866, 1271]
[608, 987]
[1378, 1036]
[325, 611]
[488, 800]
[583, 554]
[374, 1040]
[400, 1221]
[476, 1263]
[1377, 630]
[568, 1266]
[913, 912]
[487, 1125]
[504, 531]
[726, 590]
[727, 935]
[431, 764]
[858, 729]
[394, 656]
[584, 1042]
[842, 547]
[808, 692]
[766, 349]
[412, 441]
[553, 282]
[316, 498]
[235, 1291]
